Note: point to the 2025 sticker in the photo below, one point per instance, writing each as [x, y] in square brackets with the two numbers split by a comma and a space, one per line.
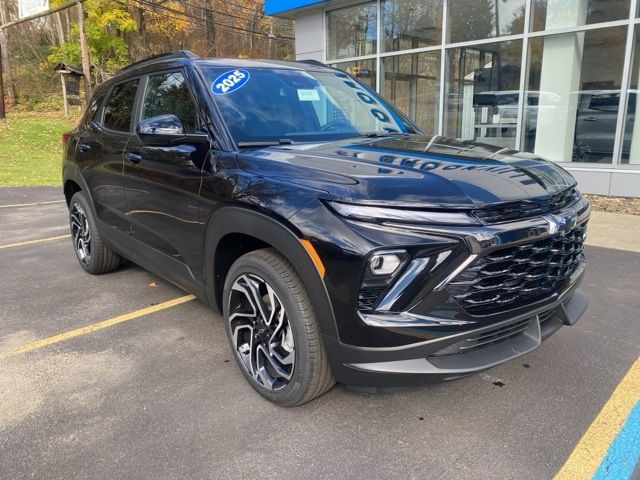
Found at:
[230, 82]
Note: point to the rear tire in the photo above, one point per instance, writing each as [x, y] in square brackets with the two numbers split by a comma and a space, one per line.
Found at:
[272, 329]
[94, 257]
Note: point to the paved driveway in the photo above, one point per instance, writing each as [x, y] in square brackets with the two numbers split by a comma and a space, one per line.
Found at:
[159, 396]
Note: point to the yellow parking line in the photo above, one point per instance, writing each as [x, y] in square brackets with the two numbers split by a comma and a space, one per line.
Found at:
[586, 457]
[30, 242]
[95, 326]
[31, 204]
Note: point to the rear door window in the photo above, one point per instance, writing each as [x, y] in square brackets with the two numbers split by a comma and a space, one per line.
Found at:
[166, 94]
[119, 108]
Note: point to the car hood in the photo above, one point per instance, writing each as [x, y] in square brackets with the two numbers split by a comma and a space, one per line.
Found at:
[412, 171]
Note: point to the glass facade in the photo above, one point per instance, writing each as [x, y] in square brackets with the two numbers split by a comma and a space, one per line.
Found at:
[573, 117]
[412, 84]
[480, 19]
[550, 14]
[352, 31]
[411, 24]
[631, 137]
[553, 77]
[483, 84]
[363, 70]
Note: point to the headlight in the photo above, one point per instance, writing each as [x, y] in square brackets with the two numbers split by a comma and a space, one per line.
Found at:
[384, 214]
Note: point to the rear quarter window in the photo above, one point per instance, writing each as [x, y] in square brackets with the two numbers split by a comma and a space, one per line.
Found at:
[94, 106]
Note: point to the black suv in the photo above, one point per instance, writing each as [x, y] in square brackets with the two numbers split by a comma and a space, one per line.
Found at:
[338, 240]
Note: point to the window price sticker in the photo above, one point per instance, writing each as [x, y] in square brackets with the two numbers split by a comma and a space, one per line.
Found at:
[308, 95]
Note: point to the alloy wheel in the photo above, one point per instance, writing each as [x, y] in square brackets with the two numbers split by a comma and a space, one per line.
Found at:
[261, 333]
[80, 233]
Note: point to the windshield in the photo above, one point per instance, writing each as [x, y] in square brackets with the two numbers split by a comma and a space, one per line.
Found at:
[274, 105]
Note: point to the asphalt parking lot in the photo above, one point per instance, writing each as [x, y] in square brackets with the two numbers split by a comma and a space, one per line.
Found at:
[159, 395]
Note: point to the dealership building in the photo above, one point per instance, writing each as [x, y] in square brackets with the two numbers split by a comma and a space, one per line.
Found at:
[558, 78]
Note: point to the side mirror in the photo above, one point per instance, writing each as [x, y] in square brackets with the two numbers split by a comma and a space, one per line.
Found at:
[166, 130]
[160, 130]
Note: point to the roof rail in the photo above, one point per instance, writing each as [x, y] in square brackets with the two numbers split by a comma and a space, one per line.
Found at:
[161, 56]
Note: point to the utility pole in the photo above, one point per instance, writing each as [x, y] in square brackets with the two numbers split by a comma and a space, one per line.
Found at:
[4, 52]
[271, 36]
[84, 51]
[6, 62]
[2, 112]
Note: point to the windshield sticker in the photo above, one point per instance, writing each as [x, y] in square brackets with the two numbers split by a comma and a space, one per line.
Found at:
[308, 95]
[229, 82]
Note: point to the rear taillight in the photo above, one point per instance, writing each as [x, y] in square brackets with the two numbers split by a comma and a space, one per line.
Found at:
[65, 137]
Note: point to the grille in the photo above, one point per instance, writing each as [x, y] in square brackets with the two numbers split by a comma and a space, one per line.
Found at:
[516, 276]
[526, 209]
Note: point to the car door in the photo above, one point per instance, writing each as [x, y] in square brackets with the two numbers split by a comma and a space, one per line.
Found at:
[162, 183]
[100, 151]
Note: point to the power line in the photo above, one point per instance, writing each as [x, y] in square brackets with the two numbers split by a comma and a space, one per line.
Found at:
[227, 14]
[209, 9]
[199, 19]
[218, 12]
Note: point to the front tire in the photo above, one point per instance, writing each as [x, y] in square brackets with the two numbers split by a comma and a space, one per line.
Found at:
[272, 329]
[94, 257]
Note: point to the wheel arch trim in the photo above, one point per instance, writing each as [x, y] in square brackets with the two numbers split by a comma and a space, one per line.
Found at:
[71, 172]
[298, 251]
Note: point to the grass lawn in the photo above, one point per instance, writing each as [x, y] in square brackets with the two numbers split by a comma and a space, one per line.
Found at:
[31, 148]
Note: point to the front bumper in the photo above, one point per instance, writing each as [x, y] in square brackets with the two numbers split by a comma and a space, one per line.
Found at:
[456, 355]
[419, 330]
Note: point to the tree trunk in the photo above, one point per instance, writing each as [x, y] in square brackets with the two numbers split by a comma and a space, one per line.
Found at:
[138, 43]
[67, 21]
[59, 27]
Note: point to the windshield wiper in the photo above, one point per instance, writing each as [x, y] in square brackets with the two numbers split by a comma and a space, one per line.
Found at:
[270, 143]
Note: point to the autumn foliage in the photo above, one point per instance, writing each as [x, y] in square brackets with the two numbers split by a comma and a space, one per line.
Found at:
[121, 31]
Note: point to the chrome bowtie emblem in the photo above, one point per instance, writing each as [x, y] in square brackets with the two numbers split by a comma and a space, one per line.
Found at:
[560, 222]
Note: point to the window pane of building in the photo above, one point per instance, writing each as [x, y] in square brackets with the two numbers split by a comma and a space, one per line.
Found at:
[478, 19]
[352, 31]
[549, 14]
[573, 95]
[631, 137]
[412, 84]
[483, 91]
[411, 24]
[363, 70]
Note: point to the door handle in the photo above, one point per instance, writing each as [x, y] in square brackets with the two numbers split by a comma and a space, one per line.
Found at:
[84, 147]
[133, 157]
[590, 119]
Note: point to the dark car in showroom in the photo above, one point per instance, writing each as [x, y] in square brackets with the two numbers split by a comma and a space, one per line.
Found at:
[338, 240]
